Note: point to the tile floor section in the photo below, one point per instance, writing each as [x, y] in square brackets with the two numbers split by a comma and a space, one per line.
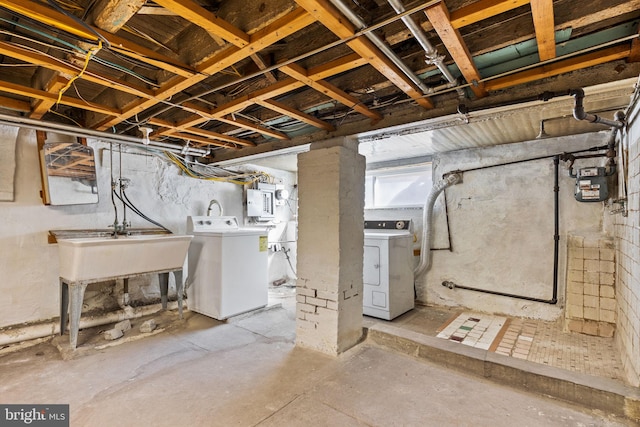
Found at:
[536, 341]
[474, 330]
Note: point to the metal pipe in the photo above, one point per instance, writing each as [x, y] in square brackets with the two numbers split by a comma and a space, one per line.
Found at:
[360, 24]
[431, 53]
[580, 114]
[89, 133]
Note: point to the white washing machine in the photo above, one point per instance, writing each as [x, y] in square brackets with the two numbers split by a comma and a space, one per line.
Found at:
[388, 288]
[227, 267]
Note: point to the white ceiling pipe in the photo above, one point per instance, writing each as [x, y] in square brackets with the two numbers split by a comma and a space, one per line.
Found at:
[89, 133]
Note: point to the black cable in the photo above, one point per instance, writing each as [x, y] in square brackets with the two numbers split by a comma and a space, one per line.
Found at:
[79, 21]
[128, 203]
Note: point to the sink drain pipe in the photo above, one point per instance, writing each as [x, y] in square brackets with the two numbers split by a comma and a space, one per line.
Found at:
[556, 242]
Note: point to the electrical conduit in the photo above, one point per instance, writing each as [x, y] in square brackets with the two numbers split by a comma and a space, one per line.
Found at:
[427, 220]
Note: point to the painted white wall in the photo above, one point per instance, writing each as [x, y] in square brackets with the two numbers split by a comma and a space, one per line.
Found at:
[501, 226]
[29, 265]
[627, 232]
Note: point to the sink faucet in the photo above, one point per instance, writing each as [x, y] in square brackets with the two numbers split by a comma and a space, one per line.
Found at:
[211, 203]
[120, 229]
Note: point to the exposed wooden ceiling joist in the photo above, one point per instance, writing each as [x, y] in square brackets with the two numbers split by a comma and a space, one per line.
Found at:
[41, 106]
[542, 12]
[439, 17]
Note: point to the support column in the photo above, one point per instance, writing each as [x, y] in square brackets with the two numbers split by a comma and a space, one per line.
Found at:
[330, 246]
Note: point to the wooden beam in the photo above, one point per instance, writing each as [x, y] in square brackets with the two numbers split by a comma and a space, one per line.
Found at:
[282, 87]
[220, 136]
[196, 14]
[245, 124]
[204, 140]
[439, 17]
[14, 104]
[331, 18]
[322, 86]
[560, 67]
[634, 56]
[259, 61]
[298, 115]
[41, 106]
[60, 66]
[279, 29]
[482, 9]
[65, 100]
[542, 12]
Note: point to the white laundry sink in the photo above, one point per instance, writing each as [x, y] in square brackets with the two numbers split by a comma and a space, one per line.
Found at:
[89, 259]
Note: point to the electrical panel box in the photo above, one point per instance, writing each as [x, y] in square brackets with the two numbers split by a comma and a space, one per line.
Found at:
[591, 185]
[261, 202]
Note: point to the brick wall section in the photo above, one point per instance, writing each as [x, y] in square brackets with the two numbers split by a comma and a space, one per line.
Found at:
[591, 304]
[330, 249]
[627, 230]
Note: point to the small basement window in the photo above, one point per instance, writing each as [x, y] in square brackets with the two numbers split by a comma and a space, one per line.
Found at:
[406, 187]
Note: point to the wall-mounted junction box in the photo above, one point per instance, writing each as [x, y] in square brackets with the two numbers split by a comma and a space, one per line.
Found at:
[261, 202]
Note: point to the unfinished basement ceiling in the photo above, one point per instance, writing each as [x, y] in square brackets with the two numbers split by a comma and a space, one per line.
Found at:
[241, 78]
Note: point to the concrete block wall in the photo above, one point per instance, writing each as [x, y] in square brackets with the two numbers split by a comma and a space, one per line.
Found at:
[591, 304]
[627, 232]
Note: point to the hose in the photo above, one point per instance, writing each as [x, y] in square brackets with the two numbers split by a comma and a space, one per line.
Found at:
[427, 219]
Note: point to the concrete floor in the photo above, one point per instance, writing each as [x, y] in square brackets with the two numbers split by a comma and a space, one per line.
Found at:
[247, 372]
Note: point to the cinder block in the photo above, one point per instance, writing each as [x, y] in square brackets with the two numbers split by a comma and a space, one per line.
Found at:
[591, 253]
[607, 266]
[124, 325]
[576, 241]
[606, 330]
[307, 308]
[301, 298]
[112, 334]
[591, 313]
[590, 328]
[148, 326]
[575, 326]
[575, 287]
[331, 296]
[575, 311]
[575, 299]
[607, 254]
[332, 305]
[607, 291]
[592, 265]
[608, 316]
[608, 304]
[591, 242]
[306, 292]
[591, 277]
[575, 276]
[591, 301]
[591, 289]
[607, 278]
[576, 264]
[576, 252]
[606, 243]
[316, 301]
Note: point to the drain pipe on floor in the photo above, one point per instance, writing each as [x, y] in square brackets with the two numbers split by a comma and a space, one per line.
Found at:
[427, 220]
[47, 329]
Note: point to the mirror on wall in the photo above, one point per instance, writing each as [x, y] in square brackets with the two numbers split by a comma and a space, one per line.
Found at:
[69, 174]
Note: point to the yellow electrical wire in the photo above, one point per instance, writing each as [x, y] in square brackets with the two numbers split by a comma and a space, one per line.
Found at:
[174, 159]
[87, 58]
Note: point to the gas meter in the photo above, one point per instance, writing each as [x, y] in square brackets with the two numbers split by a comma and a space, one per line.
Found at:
[591, 184]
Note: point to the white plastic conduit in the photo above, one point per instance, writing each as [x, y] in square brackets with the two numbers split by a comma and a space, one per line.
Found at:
[427, 221]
